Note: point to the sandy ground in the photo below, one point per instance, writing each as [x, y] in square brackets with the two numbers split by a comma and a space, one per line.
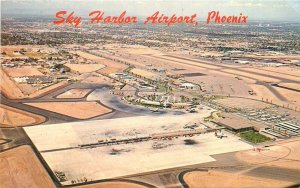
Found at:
[133, 158]
[24, 71]
[79, 110]
[221, 85]
[74, 93]
[216, 179]
[48, 89]
[112, 185]
[292, 96]
[89, 56]
[283, 70]
[9, 87]
[83, 68]
[12, 117]
[13, 90]
[191, 63]
[137, 49]
[282, 158]
[97, 80]
[110, 70]
[290, 85]
[270, 73]
[247, 80]
[27, 89]
[111, 67]
[263, 92]
[20, 167]
[144, 73]
[30, 92]
[253, 76]
[242, 103]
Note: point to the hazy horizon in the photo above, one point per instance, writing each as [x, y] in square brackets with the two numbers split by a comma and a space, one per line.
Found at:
[284, 10]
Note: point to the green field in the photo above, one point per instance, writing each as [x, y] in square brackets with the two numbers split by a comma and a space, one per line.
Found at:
[254, 137]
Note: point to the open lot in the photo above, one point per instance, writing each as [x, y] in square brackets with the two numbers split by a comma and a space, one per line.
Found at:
[144, 73]
[12, 117]
[74, 93]
[251, 75]
[242, 103]
[126, 159]
[12, 90]
[83, 68]
[19, 167]
[291, 85]
[221, 85]
[274, 166]
[214, 179]
[111, 67]
[24, 71]
[291, 96]
[114, 184]
[97, 79]
[8, 87]
[283, 70]
[271, 73]
[79, 110]
[48, 89]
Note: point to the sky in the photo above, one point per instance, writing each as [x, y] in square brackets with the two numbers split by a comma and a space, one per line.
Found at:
[275, 10]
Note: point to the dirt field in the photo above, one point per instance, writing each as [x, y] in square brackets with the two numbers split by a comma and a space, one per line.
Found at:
[24, 71]
[290, 85]
[263, 92]
[79, 110]
[144, 73]
[112, 185]
[171, 59]
[242, 103]
[111, 67]
[216, 179]
[97, 80]
[83, 68]
[13, 90]
[20, 167]
[110, 70]
[253, 76]
[278, 74]
[74, 93]
[9, 87]
[137, 49]
[11, 117]
[47, 89]
[221, 85]
[89, 56]
[283, 70]
[292, 96]
[30, 92]
[275, 166]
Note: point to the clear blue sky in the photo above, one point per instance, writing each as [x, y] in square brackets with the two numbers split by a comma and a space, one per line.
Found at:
[277, 10]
